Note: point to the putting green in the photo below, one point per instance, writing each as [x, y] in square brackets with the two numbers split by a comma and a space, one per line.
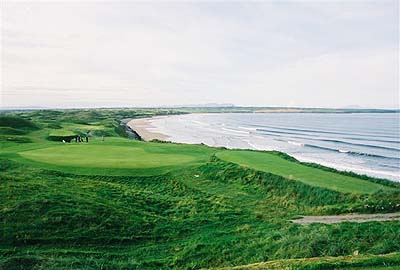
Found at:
[272, 163]
[99, 156]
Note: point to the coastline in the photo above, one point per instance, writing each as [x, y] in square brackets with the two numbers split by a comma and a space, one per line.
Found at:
[148, 130]
[143, 127]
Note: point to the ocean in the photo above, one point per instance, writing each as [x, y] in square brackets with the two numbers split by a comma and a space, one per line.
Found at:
[365, 143]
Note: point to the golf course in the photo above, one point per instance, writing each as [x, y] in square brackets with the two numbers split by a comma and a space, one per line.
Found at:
[115, 202]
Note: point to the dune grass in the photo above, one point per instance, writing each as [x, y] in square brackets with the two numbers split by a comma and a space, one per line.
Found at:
[123, 204]
[270, 162]
[210, 215]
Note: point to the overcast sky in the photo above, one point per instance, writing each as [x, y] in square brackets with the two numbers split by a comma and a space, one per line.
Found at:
[308, 54]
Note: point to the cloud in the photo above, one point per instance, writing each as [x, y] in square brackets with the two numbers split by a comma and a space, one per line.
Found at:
[138, 54]
[358, 77]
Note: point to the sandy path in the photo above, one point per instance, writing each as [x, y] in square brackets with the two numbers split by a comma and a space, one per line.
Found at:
[145, 129]
[347, 218]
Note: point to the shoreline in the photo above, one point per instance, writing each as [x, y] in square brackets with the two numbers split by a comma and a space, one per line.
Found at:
[143, 126]
[147, 131]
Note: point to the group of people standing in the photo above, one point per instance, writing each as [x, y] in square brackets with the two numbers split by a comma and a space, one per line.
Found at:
[79, 139]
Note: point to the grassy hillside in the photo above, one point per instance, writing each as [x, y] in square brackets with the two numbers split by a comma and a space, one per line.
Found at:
[275, 164]
[123, 204]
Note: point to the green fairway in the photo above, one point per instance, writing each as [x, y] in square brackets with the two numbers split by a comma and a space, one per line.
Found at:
[268, 162]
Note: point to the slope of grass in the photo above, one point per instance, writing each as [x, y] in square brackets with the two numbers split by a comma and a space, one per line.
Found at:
[11, 131]
[215, 214]
[122, 204]
[16, 122]
[272, 163]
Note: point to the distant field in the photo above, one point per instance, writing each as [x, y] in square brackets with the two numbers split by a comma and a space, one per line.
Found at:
[316, 177]
[61, 132]
[84, 127]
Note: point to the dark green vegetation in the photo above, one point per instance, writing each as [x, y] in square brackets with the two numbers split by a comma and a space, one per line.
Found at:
[124, 204]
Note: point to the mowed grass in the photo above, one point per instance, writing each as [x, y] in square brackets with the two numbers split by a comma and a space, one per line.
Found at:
[105, 155]
[269, 162]
[116, 156]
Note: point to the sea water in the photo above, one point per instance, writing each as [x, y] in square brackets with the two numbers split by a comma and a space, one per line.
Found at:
[366, 143]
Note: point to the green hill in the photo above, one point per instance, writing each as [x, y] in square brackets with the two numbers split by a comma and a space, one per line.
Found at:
[123, 204]
[16, 123]
[313, 176]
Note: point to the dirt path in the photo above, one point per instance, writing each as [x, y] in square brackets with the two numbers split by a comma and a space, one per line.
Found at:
[347, 218]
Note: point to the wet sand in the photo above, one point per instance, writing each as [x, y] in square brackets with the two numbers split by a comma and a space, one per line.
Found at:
[145, 129]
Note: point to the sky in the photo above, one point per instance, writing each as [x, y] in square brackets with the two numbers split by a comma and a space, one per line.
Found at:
[268, 53]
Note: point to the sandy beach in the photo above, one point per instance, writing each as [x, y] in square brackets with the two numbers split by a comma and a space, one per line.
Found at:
[145, 129]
